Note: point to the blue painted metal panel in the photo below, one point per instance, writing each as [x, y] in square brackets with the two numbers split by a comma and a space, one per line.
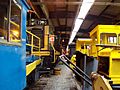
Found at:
[25, 4]
[12, 68]
[13, 61]
[31, 58]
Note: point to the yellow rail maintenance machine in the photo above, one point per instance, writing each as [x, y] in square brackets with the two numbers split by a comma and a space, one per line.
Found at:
[105, 46]
[83, 45]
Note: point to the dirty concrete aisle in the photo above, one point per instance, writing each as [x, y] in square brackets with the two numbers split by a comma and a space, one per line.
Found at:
[64, 81]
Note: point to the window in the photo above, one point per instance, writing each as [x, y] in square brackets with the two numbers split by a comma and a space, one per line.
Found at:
[119, 39]
[82, 46]
[112, 39]
[10, 20]
[4, 9]
[108, 38]
[15, 22]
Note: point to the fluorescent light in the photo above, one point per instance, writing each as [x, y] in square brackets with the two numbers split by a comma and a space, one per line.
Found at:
[72, 37]
[86, 5]
[67, 49]
[78, 23]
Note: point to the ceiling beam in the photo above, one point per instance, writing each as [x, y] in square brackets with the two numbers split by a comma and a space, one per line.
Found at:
[63, 32]
[56, 16]
[62, 28]
[76, 3]
[83, 31]
[68, 29]
[62, 14]
[108, 15]
[82, 36]
[64, 35]
[102, 17]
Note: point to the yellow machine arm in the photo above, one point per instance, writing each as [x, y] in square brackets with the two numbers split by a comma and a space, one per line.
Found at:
[99, 82]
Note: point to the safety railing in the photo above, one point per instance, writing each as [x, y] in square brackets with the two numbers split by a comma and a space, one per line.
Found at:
[33, 42]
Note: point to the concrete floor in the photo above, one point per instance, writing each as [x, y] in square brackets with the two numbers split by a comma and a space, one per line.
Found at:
[64, 81]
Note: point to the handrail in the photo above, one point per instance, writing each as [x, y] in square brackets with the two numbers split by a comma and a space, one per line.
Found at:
[32, 34]
[17, 25]
[82, 74]
[54, 52]
[32, 42]
[76, 67]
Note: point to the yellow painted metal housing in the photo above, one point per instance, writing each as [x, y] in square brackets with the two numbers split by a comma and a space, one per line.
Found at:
[73, 60]
[56, 54]
[30, 67]
[105, 45]
[46, 51]
[46, 38]
[100, 83]
[83, 45]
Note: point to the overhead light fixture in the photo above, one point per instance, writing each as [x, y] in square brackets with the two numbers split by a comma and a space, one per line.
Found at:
[72, 37]
[85, 7]
[67, 49]
[78, 23]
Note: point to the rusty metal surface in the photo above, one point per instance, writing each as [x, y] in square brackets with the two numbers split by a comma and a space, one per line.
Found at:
[64, 81]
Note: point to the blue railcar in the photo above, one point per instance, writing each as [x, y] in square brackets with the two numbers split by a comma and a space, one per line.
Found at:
[13, 44]
[31, 58]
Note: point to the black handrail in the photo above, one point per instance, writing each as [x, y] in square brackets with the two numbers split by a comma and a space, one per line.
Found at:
[77, 67]
[63, 58]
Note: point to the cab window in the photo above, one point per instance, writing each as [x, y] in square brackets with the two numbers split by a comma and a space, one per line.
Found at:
[10, 21]
[108, 38]
[4, 9]
[15, 22]
[119, 39]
